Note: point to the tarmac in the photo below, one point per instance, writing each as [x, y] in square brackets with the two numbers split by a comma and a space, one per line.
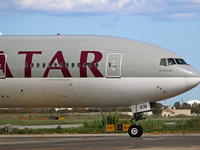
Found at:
[179, 141]
[43, 126]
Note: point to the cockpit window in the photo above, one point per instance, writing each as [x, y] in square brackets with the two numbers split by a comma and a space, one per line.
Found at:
[163, 62]
[171, 61]
[180, 61]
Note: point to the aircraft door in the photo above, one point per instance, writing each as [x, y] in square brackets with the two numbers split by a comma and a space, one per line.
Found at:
[113, 65]
[3, 58]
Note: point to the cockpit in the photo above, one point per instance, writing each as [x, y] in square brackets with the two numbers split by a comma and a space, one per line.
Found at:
[172, 61]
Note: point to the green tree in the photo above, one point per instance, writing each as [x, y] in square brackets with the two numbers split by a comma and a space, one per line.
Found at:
[158, 109]
[177, 105]
[186, 106]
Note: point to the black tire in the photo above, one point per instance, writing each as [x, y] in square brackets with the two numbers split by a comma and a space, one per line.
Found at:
[135, 131]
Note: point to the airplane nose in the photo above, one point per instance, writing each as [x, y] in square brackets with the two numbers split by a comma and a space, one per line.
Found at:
[192, 78]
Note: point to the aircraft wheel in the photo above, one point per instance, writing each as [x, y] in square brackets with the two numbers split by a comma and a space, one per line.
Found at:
[135, 131]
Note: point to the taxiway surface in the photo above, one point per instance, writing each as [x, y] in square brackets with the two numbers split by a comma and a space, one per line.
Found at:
[43, 126]
[100, 141]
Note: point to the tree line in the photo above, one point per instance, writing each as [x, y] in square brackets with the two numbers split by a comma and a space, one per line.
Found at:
[53, 110]
[195, 108]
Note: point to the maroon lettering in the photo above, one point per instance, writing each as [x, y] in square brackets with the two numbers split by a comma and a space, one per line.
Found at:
[28, 61]
[83, 69]
[7, 74]
[60, 59]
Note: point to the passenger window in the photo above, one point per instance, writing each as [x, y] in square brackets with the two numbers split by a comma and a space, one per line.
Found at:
[90, 65]
[26, 65]
[72, 65]
[38, 65]
[43, 65]
[163, 62]
[84, 65]
[180, 61]
[171, 61]
[78, 65]
[61, 65]
[49, 65]
[96, 65]
[32, 65]
[67, 65]
[55, 65]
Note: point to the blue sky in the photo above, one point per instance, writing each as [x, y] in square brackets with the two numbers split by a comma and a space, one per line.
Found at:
[172, 24]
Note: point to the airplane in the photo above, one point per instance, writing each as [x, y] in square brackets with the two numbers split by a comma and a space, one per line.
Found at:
[90, 71]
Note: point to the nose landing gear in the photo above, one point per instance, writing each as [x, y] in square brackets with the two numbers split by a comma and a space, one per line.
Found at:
[136, 130]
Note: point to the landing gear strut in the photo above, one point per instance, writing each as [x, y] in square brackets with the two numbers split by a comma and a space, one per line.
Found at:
[136, 130]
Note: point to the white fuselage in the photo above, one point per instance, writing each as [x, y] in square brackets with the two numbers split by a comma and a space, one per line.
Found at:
[87, 71]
